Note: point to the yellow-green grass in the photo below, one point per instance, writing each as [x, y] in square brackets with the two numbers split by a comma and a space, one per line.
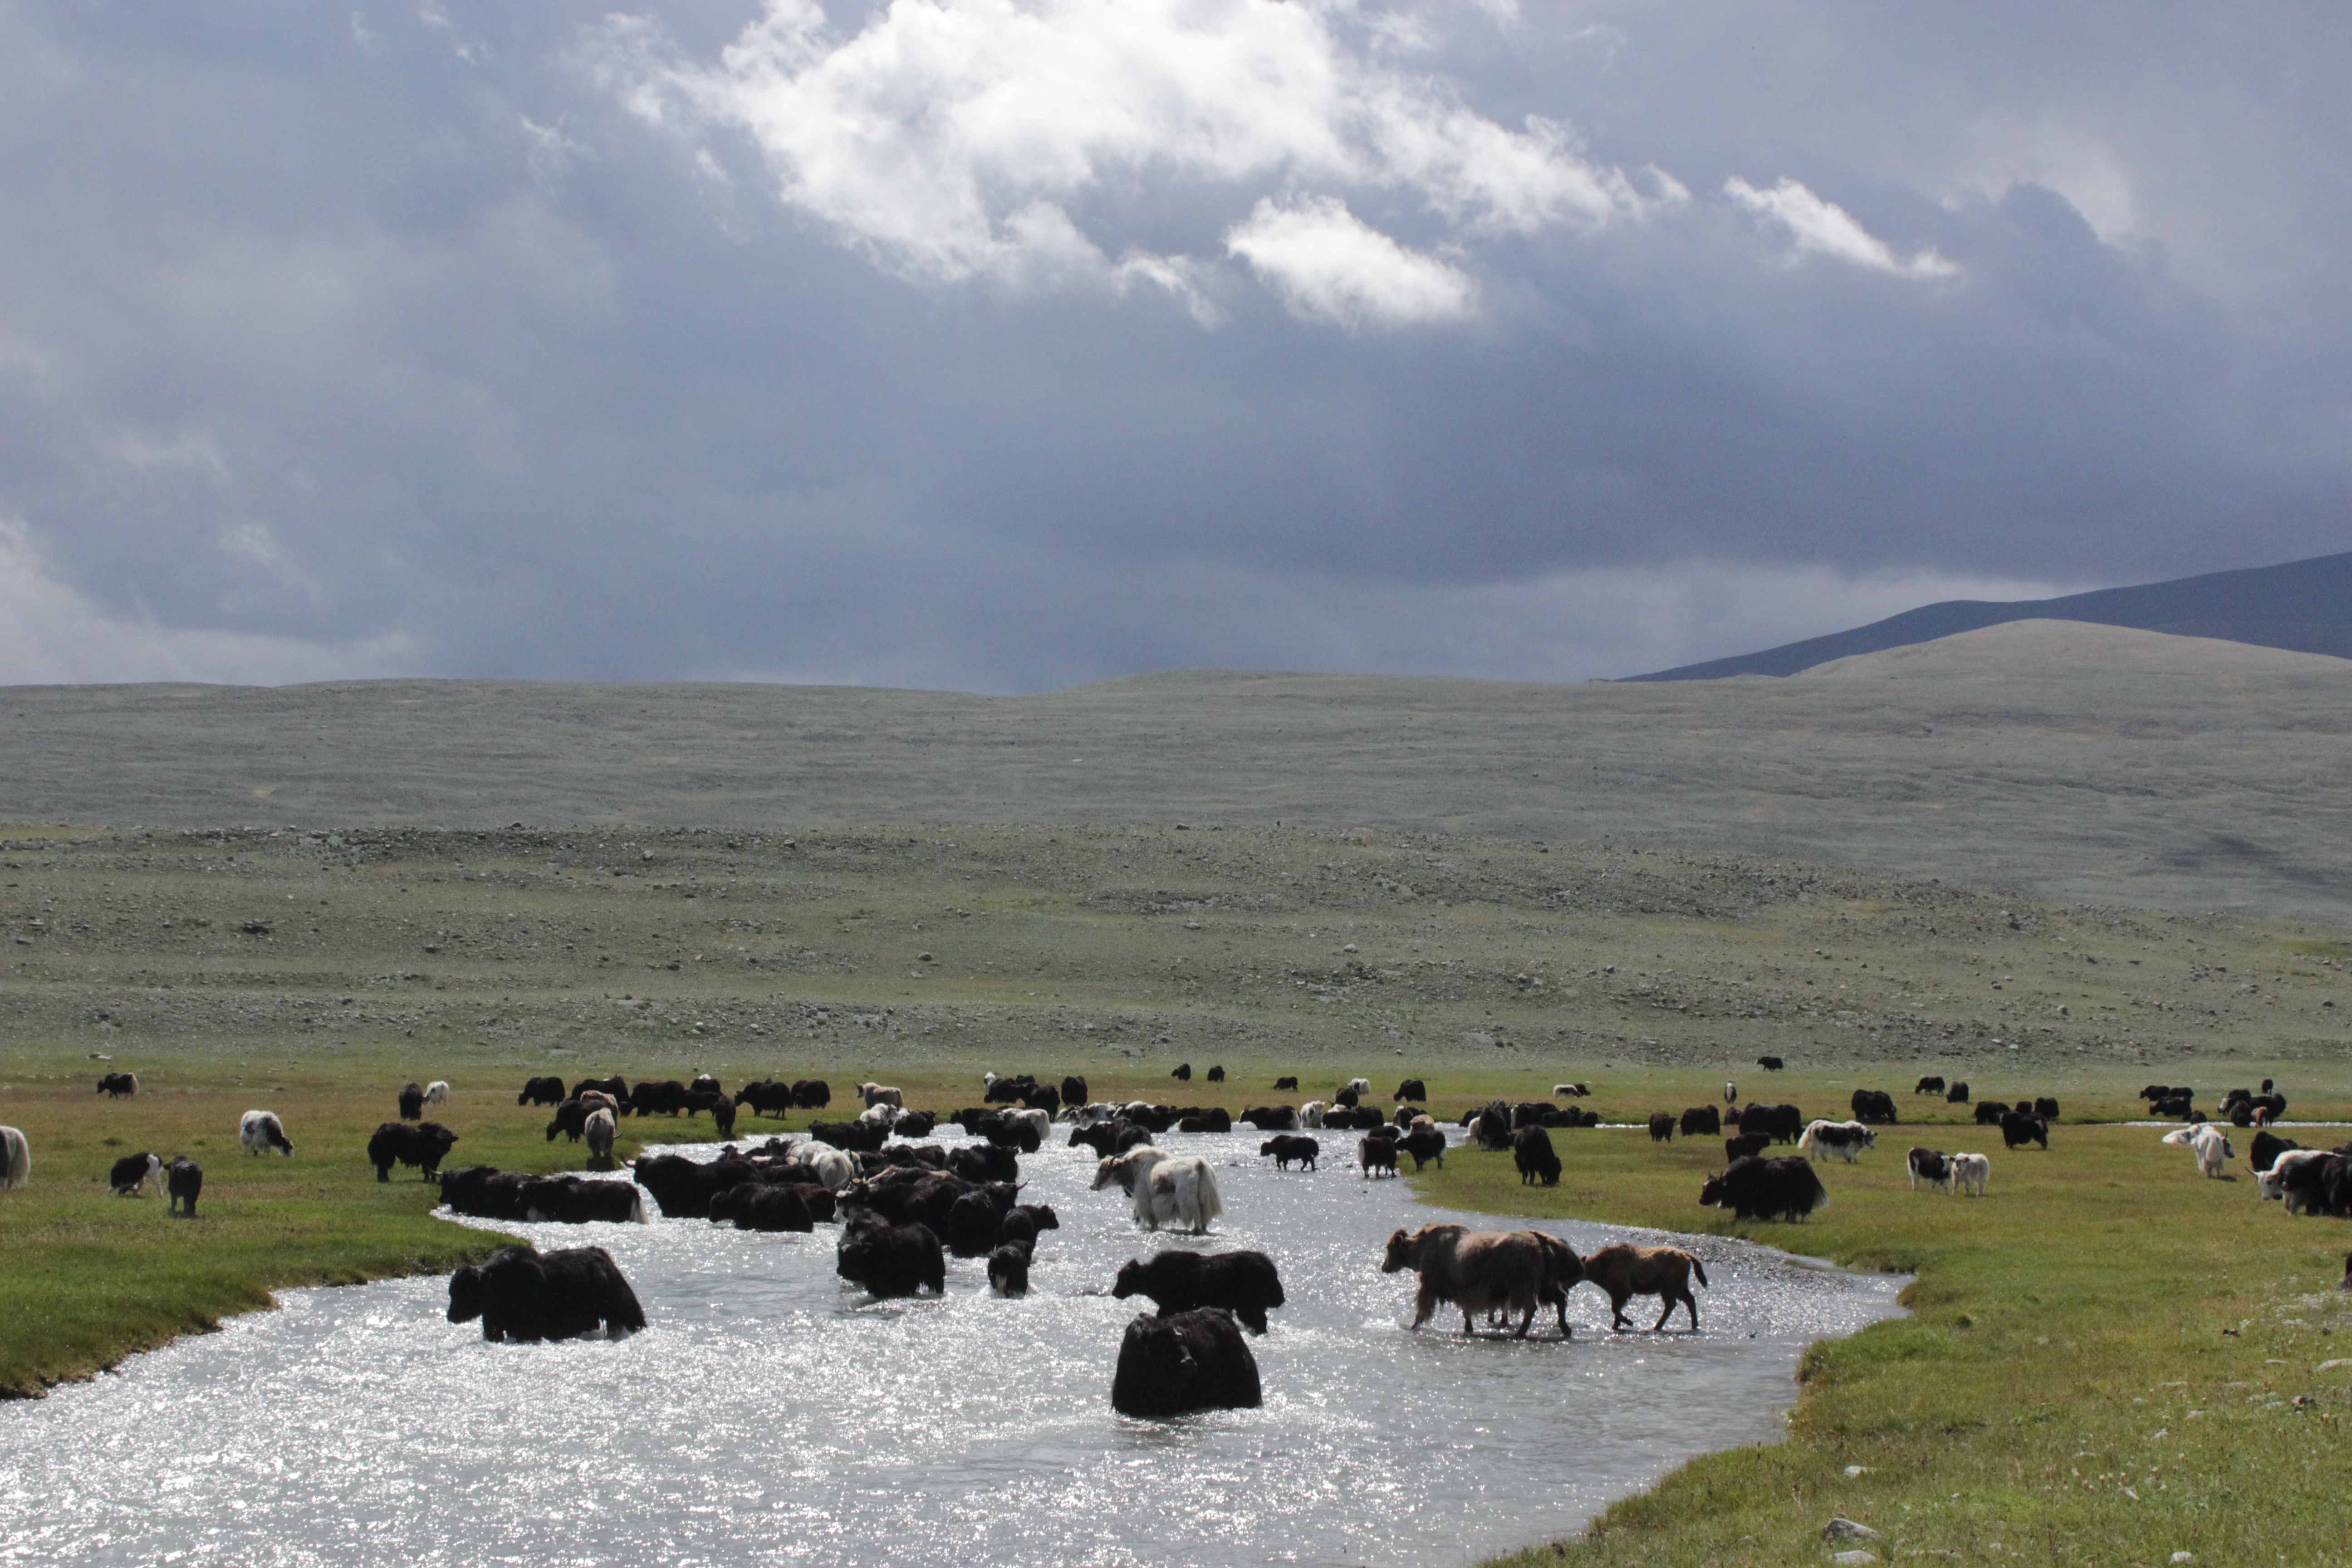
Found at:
[2109, 1358]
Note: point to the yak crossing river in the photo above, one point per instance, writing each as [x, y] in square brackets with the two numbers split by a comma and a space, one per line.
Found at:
[772, 1413]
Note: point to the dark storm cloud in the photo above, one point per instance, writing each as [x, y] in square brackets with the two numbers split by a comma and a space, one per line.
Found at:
[445, 340]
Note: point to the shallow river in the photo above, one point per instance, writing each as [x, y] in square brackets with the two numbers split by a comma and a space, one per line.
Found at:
[770, 1414]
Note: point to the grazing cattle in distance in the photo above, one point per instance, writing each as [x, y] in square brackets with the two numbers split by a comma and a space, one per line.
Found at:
[1361, 1087]
[1492, 1129]
[1008, 1268]
[1730, 1092]
[16, 1159]
[570, 1119]
[1290, 1082]
[2208, 1144]
[1837, 1141]
[1989, 1113]
[2016, 1128]
[1245, 1284]
[599, 1129]
[1532, 1153]
[1783, 1124]
[424, 1145]
[705, 1084]
[1216, 1075]
[1375, 1154]
[811, 1094]
[890, 1259]
[1411, 1089]
[616, 1085]
[542, 1091]
[1185, 1361]
[721, 1108]
[184, 1180]
[1311, 1113]
[1477, 1271]
[1289, 1149]
[1662, 1127]
[2045, 1107]
[1931, 1166]
[115, 1085]
[2312, 1181]
[1271, 1118]
[1957, 1094]
[133, 1172]
[2266, 1148]
[763, 1098]
[1874, 1107]
[412, 1100]
[667, 1098]
[259, 1131]
[525, 1296]
[1786, 1188]
[1770, 1064]
[875, 1094]
[1074, 1091]
[1928, 1085]
[1625, 1271]
[1702, 1120]
[1969, 1174]
[1570, 1090]
[1745, 1145]
[437, 1093]
[1181, 1072]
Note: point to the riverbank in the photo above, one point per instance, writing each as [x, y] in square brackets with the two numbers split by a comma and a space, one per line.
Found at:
[2109, 1360]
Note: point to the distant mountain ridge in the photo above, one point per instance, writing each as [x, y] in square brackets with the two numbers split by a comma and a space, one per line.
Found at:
[2305, 606]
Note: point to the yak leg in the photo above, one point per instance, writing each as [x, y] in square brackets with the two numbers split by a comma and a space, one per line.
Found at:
[1668, 1296]
[1617, 1311]
[1526, 1316]
[1426, 1305]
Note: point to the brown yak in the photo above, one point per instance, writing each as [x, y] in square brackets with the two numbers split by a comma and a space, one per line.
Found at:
[1485, 1271]
[1625, 1271]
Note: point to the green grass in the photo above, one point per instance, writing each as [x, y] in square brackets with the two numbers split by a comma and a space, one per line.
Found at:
[312, 974]
[2109, 1358]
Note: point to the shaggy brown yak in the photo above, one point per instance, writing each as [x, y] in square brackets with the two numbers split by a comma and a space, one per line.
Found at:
[1626, 1271]
[1483, 1271]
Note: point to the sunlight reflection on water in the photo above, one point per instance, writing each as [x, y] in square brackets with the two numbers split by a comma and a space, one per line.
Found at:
[769, 1414]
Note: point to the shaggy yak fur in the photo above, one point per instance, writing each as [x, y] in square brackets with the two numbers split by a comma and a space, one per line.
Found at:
[1625, 1271]
[1485, 1271]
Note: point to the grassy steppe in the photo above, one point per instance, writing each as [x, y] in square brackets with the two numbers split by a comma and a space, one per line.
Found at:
[312, 973]
[2109, 1360]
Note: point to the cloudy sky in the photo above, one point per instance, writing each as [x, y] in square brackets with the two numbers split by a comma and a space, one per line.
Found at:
[1002, 344]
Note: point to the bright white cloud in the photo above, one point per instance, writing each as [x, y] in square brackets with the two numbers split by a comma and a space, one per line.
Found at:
[1327, 265]
[51, 634]
[1817, 228]
[959, 139]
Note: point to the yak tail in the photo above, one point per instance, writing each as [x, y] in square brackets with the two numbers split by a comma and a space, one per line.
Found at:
[1698, 1271]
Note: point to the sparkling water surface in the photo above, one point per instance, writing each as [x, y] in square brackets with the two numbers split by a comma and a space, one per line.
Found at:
[772, 1413]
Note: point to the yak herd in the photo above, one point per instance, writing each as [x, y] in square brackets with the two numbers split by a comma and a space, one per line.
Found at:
[905, 1208]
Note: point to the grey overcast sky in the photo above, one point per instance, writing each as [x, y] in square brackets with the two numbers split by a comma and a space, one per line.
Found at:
[1004, 344]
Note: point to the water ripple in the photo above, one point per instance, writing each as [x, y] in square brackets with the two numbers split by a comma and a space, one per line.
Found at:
[771, 1413]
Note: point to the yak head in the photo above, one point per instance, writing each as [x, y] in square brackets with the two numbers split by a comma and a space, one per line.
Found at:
[465, 1295]
[1403, 1252]
[1711, 1195]
[1130, 1279]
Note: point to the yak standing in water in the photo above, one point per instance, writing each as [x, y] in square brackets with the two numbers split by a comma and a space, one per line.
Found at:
[524, 1295]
